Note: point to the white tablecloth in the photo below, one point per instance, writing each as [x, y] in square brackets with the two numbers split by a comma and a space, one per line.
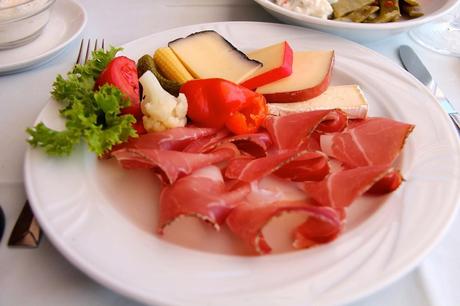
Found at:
[44, 277]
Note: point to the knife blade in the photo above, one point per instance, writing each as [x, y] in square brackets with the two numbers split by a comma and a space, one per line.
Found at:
[415, 66]
[2, 223]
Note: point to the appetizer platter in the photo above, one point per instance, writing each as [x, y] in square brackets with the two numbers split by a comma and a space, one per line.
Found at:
[201, 148]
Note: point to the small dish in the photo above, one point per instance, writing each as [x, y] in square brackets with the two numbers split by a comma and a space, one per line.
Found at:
[67, 20]
[22, 21]
[361, 32]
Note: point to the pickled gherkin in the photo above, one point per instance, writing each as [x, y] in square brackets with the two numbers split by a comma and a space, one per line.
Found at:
[360, 15]
[146, 63]
[343, 7]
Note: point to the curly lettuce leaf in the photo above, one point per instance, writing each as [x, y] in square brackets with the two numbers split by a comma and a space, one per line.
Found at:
[94, 116]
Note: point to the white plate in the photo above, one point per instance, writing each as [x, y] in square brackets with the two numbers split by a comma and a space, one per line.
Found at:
[102, 218]
[361, 32]
[67, 20]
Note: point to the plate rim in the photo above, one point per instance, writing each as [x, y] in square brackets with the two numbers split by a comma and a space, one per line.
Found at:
[50, 53]
[117, 286]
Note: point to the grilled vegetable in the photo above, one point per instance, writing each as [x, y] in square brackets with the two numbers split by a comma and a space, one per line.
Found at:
[411, 11]
[343, 7]
[170, 66]
[410, 2]
[360, 15]
[389, 11]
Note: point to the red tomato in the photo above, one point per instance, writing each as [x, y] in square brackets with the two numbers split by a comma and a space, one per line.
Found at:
[121, 72]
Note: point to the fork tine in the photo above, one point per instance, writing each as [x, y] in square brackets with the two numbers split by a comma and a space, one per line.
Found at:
[87, 50]
[103, 44]
[80, 52]
[95, 45]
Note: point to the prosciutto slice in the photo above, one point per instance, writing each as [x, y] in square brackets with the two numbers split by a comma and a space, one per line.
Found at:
[290, 164]
[376, 141]
[171, 165]
[340, 189]
[315, 231]
[202, 194]
[248, 219]
[206, 143]
[171, 139]
[255, 144]
[290, 131]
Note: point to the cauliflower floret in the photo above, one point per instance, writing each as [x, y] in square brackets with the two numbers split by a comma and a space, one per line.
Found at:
[161, 110]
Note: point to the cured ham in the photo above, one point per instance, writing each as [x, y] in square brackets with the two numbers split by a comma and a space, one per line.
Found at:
[172, 139]
[315, 231]
[248, 219]
[311, 165]
[290, 131]
[171, 165]
[206, 143]
[376, 141]
[340, 189]
[289, 164]
[202, 194]
[255, 144]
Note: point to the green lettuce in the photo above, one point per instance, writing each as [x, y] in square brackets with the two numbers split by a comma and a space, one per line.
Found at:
[93, 116]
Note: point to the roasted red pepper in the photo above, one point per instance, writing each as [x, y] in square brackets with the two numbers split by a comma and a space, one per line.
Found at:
[217, 103]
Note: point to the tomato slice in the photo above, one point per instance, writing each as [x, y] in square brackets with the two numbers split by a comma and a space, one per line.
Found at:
[121, 72]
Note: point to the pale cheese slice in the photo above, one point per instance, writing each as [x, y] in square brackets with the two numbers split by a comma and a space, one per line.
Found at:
[271, 57]
[206, 54]
[348, 98]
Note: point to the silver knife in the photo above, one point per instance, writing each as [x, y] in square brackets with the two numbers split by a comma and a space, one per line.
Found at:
[414, 65]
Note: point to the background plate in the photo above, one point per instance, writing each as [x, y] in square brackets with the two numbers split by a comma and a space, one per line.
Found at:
[361, 32]
[102, 218]
[67, 20]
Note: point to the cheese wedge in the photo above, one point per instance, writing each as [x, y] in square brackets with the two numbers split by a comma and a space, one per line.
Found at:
[206, 54]
[311, 73]
[277, 64]
[348, 98]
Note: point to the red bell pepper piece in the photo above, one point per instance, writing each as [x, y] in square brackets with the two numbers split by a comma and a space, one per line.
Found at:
[217, 103]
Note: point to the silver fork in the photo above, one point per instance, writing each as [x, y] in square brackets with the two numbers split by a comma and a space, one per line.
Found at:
[26, 231]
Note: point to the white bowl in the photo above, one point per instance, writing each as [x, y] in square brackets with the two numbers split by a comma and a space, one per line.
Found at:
[361, 32]
[22, 21]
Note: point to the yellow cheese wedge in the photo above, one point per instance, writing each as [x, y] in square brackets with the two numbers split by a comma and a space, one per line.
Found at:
[206, 54]
[311, 73]
[348, 98]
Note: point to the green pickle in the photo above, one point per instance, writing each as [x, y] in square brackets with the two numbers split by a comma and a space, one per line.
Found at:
[375, 11]
[360, 15]
[343, 7]
[389, 11]
[146, 63]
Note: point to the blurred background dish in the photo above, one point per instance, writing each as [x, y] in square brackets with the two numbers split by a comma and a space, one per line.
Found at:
[22, 21]
[361, 32]
[66, 21]
[442, 35]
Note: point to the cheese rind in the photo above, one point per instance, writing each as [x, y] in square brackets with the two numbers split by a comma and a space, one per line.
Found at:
[348, 98]
[206, 54]
[277, 64]
[308, 70]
